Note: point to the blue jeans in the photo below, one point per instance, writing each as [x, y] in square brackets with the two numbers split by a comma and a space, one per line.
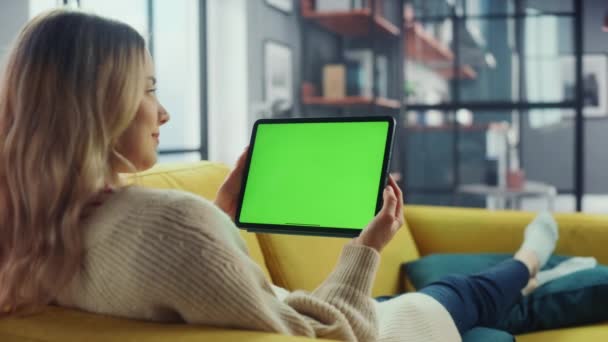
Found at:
[480, 299]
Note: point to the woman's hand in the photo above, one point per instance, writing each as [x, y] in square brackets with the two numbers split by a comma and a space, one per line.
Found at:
[385, 225]
[228, 195]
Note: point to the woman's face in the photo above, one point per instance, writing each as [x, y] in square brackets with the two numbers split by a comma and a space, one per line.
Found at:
[139, 142]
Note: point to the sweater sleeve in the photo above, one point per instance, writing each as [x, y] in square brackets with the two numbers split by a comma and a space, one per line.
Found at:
[213, 282]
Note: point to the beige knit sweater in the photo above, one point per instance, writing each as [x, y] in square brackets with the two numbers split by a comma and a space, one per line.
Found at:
[169, 256]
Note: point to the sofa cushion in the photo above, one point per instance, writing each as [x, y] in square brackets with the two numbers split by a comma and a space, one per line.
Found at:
[575, 299]
[597, 332]
[202, 178]
[303, 262]
[481, 334]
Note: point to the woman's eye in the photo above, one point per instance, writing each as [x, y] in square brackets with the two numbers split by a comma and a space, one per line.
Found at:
[151, 91]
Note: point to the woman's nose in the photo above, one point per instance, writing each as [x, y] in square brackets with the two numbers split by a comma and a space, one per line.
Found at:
[163, 115]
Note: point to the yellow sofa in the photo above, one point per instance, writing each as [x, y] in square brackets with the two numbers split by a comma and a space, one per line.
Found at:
[303, 262]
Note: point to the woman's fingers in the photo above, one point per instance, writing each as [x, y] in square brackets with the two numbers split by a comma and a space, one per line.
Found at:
[399, 197]
[232, 184]
[398, 192]
[390, 203]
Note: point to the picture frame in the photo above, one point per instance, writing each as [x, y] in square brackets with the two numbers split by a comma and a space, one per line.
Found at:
[278, 72]
[595, 84]
[285, 6]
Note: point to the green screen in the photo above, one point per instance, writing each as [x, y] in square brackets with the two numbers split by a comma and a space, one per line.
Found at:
[325, 174]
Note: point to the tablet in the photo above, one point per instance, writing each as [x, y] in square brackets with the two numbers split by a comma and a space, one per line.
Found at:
[315, 176]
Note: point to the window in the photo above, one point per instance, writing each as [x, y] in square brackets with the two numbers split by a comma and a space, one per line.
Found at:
[132, 12]
[38, 6]
[176, 53]
[479, 65]
[172, 30]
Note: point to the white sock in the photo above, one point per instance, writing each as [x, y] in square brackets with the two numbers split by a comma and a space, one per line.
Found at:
[567, 267]
[541, 236]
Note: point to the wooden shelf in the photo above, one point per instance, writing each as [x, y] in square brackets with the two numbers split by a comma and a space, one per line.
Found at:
[421, 46]
[464, 72]
[353, 23]
[352, 101]
[448, 128]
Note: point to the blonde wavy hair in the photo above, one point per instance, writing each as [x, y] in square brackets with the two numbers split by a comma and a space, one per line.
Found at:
[71, 86]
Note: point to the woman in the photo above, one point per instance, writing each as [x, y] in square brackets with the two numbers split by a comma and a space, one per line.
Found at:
[77, 107]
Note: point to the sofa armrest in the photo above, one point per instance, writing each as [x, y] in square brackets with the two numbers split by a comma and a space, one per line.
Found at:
[459, 230]
[59, 324]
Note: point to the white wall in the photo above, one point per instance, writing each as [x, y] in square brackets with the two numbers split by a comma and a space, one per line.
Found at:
[13, 15]
[227, 79]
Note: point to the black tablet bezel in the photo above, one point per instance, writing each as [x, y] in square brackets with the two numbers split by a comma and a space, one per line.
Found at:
[308, 230]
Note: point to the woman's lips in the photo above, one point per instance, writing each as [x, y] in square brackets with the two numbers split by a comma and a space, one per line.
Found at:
[156, 137]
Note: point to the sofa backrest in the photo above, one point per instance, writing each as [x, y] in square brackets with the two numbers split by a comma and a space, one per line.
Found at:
[460, 230]
[303, 262]
[202, 178]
